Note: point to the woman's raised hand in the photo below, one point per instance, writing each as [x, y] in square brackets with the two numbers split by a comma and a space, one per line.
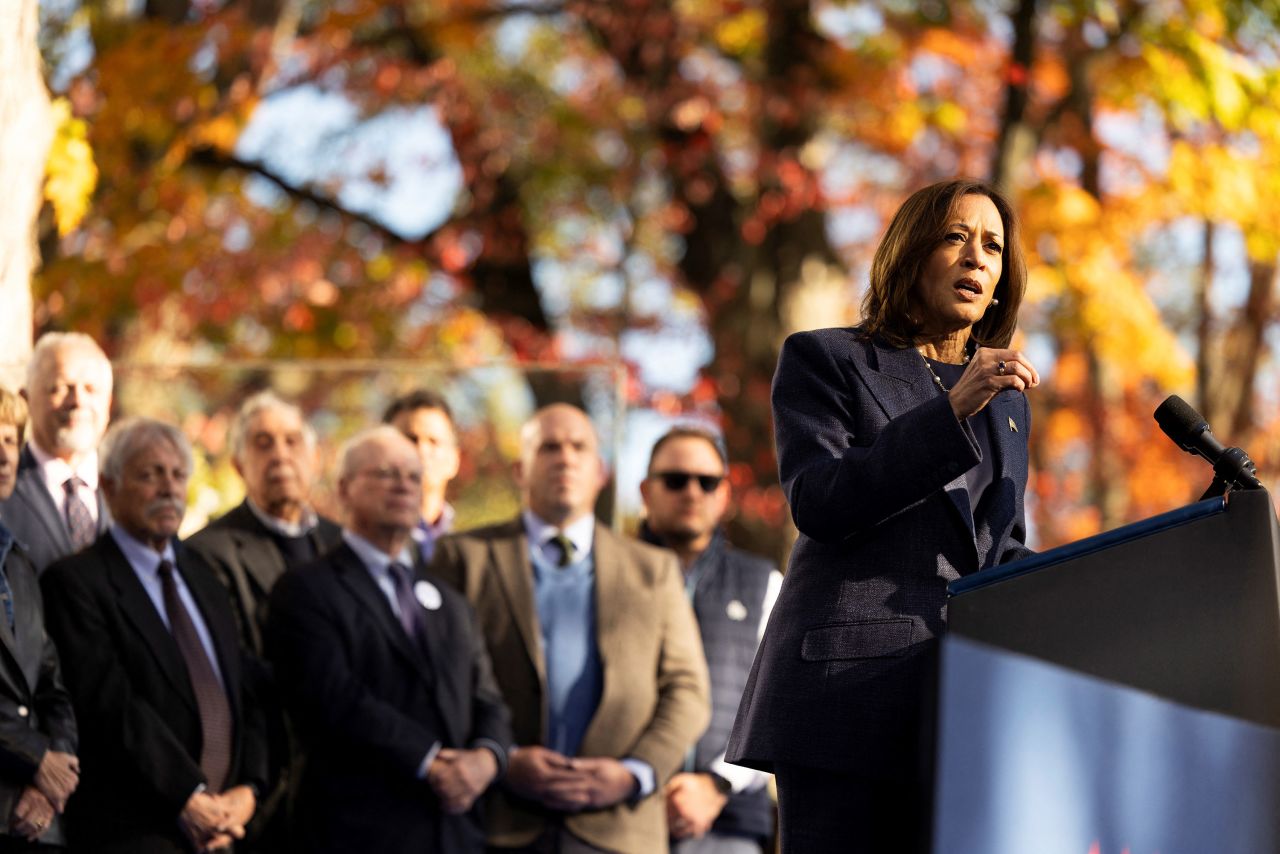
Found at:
[989, 372]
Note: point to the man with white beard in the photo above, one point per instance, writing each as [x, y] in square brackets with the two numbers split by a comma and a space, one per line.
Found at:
[56, 508]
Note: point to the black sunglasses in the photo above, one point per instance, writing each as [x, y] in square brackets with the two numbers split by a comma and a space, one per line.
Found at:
[678, 480]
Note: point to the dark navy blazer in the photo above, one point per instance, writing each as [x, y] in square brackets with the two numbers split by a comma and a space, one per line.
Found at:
[867, 446]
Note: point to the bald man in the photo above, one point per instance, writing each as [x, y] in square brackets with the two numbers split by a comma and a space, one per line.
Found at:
[596, 651]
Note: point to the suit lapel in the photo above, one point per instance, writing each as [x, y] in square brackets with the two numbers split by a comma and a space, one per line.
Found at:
[21, 685]
[205, 590]
[28, 627]
[141, 613]
[899, 380]
[612, 569]
[30, 487]
[511, 564]
[104, 514]
[261, 559]
[355, 576]
[443, 659]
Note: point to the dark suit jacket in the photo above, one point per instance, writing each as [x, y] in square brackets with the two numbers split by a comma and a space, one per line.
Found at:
[866, 446]
[369, 704]
[247, 562]
[35, 709]
[655, 701]
[139, 724]
[34, 519]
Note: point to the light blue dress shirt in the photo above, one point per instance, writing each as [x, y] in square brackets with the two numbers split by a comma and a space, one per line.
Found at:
[565, 599]
[145, 562]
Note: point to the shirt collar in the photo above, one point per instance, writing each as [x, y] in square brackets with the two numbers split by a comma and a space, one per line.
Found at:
[581, 532]
[425, 530]
[55, 470]
[374, 558]
[141, 557]
[280, 526]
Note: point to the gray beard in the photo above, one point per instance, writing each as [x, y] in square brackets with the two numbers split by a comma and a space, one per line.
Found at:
[77, 440]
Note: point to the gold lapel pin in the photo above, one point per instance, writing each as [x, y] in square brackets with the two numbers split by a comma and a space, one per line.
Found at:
[1012, 426]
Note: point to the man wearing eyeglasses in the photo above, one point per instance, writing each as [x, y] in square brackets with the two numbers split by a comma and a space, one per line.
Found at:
[712, 806]
[386, 675]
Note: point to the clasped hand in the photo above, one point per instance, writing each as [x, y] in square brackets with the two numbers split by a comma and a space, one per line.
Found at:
[55, 780]
[215, 821]
[693, 805]
[458, 777]
[569, 784]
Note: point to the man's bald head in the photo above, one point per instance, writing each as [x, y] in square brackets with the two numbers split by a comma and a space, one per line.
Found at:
[560, 472]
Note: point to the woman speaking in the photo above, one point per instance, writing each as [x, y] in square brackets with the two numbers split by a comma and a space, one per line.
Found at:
[902, 449]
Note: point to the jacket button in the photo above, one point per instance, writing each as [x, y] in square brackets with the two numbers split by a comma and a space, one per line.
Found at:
[23, 711]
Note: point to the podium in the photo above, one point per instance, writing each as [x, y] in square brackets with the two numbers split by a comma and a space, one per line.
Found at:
[1119, 693]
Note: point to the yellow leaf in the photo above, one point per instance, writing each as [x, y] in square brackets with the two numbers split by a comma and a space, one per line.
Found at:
[742, 33]
[70, 173]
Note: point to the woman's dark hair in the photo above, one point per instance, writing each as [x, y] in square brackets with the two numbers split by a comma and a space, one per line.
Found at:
[917, 229]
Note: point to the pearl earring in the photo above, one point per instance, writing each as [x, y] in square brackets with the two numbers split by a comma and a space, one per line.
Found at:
[995, 301]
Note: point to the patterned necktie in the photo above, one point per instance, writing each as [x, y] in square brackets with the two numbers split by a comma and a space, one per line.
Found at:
[80, 523]
[410, 611]
[565, 545]
[211, 700]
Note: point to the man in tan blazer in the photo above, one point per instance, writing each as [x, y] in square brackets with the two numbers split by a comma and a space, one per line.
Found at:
[596, 651]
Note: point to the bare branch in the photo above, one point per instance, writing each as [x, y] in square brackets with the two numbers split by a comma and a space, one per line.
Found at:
[217, 159]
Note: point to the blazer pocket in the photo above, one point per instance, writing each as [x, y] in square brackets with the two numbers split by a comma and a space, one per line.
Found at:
[872, 639]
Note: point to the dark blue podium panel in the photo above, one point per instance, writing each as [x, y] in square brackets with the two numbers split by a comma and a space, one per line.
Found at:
[1037, 759]
[1185, 606]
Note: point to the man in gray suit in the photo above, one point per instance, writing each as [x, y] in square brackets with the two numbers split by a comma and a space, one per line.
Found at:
[55, 508]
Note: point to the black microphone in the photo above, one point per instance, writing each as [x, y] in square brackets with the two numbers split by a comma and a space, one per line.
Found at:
[1189, 431]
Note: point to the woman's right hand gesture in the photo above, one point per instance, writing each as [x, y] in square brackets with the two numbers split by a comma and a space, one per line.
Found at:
[989, 372]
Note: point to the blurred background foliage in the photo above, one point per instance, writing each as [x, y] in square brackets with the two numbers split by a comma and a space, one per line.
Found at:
[672, 186]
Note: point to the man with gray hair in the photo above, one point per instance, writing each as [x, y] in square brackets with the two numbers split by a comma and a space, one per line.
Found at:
[272, 531]
[274, 528]
[171, 740]
[56, 508]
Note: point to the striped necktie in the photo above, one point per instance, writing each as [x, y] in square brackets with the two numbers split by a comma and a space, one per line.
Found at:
[211, 700]
[80, 524]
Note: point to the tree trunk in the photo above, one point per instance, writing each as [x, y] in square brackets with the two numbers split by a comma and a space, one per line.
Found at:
[26, 128]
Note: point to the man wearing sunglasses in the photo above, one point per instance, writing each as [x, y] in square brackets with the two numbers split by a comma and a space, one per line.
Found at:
[712, 806]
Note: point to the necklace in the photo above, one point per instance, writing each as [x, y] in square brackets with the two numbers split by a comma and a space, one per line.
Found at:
[937, 380]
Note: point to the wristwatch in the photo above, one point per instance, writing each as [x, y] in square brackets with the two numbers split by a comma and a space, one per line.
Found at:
[722, 785]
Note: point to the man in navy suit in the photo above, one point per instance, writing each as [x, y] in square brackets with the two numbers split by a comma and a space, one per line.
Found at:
[171, 739]
[385, 672]
[56, 508]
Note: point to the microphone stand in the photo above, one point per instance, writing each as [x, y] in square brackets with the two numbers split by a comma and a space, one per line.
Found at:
[1233, 470]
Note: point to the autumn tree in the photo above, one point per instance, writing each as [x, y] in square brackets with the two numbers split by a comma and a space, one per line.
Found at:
[638, 176]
